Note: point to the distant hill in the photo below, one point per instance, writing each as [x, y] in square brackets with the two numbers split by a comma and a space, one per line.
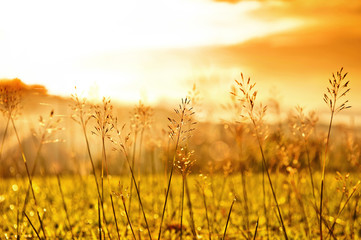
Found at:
[25, 88]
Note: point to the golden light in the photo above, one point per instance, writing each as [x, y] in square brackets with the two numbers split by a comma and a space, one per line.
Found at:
[115, 45]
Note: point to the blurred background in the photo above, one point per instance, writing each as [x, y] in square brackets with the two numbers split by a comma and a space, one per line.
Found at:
[154, 51]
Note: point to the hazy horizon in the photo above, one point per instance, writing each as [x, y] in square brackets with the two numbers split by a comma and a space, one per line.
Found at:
[155, 51]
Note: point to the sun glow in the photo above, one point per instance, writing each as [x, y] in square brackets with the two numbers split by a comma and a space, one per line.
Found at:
[70, 43]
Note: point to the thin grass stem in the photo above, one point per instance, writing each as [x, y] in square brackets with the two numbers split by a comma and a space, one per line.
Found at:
[32, 225]
[65, 208]
[182, 201]
[28, 174]
[255, 231]
[228, 218]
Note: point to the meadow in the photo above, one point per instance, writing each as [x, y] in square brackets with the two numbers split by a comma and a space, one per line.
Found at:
[177, 178]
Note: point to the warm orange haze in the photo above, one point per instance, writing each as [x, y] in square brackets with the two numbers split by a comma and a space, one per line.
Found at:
[155, 50]
[184, 119]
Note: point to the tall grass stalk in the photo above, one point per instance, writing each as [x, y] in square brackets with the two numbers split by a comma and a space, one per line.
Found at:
[17, 216]
[336, 88]
[227, 169]
[115, 216]
[264, 199]
[248, 102]
[354, 216]
[4, 136]
[301, 205]
[64, 206]
[245, 199]
[205, 207]
[190, 209]
[122, 148]
[47, 128]
[184, 163]
[133, 165]
[354, 190]
[304, 126]
[32, 225]
[182, 199]
[202, 187]
[104, 126]
[140, 200]
[176, 129]
[29, 177]
[128, 219]
[270, 182]
[228, 218]
[255, 231]
[82, 117]
[140, 121]
[310, 170]
[100, 230]
[121, 194]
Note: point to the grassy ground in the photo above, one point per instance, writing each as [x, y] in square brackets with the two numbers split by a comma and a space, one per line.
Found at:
[81, 202]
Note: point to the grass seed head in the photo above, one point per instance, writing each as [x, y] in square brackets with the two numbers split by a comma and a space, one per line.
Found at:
[10, 99]
[81, 112]
[141, 117]
[184, 161]
[103, 115]
[183, 125]
[48, 127]
[337, 89]
[302, 125]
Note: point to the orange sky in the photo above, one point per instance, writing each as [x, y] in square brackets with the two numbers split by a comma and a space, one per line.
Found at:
[156, 50]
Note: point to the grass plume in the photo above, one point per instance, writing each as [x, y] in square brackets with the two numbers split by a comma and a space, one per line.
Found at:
[248, 101]
[337, 89]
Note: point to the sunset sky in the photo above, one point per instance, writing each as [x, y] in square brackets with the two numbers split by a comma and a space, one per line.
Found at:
[156, 50]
